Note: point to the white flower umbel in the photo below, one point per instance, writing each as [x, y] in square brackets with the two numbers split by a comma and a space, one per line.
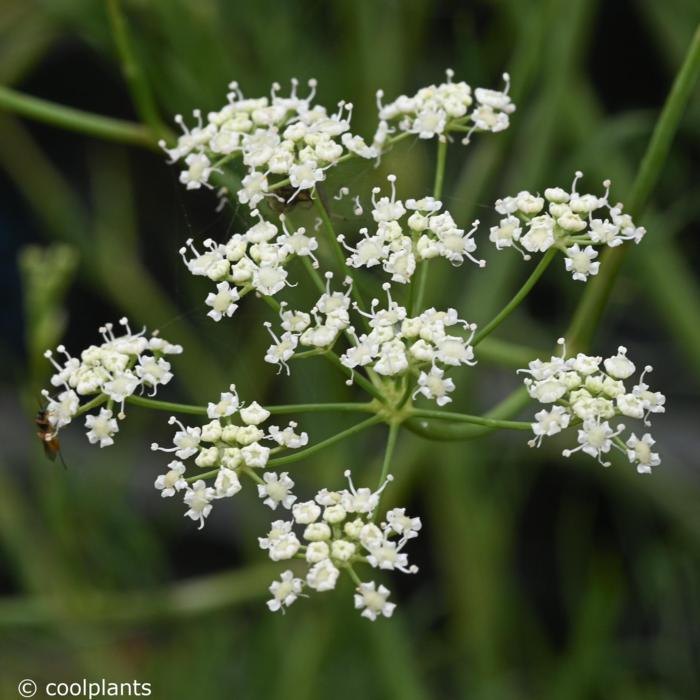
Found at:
[277, 138]
[338, 534]
[588, 392]
[574, 223]
[254, 261]
[407, 233]
[107, 373]
[395, 346]
[230, 446]
[436, 110]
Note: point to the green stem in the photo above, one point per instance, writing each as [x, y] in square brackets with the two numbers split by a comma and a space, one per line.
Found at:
[357, 377]
[442, 430]
[141, 94]
[389, 452]
[337, 250]
[75, 119]
[280, 409]
[440, 168]
[416, 301]
[597, 292]
[97, 401]
[185, 599]
[506, 354]
[475, 420]
[296, 456]
[513, 304]
[203, 475]
[313, 274]
[168, 406]
[353, 575]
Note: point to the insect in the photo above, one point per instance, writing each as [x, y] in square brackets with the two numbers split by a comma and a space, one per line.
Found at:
[281, 201]
[49, 438]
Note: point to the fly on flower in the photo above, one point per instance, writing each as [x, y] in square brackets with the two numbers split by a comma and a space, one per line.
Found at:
[284, 200]
[48, 437]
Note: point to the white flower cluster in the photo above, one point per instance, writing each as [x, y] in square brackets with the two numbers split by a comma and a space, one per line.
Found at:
[112, 371]
[590, 391]
[227, 448]
[437, 109]
[339, 533]
[398, 246]
[254, 260]
[395, 345]
[572, 223]
[285, 139]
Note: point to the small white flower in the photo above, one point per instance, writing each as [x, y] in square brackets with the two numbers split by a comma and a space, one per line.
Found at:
[322, 576]
[207, 457]
[317, 532]
[639, 453]
[254, 414]
[619, 366]
[342, 550]
[631, 405]
[506, 233]
[212, 431]
[198, 171]
[304, 176]
[285, 591]
[433, 385]
[172, 480]
[317, 552]
[227, 483]
[198, 497]
[226, 406]
[402, 524]
[254, 189]
[595, 439]
[580, 262]
[101, 428]
[121, 386]
[223, 303]
[540, 234]
[281, 543]
[388, 555]
[549, 423]
[306, 512]
[373, 601]
[288, 437]
[277, 490]
[371, 536]
[255, 455]
[334, 514]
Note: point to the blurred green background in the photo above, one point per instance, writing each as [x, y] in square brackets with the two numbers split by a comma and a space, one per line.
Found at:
[541, 577]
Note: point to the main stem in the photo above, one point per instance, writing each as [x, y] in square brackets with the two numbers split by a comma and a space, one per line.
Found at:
[76, 119]
[417, 299]
[141, 94]
[597, 292]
